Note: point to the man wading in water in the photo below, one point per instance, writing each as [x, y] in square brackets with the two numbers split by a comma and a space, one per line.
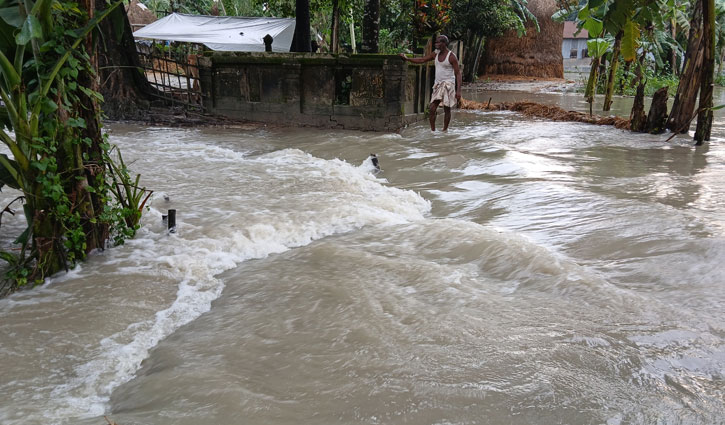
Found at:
[447, 86]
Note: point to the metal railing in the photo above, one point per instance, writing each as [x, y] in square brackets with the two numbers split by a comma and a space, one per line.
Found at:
[174, 76]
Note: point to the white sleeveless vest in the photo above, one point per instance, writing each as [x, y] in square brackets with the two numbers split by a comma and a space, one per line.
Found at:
[444, 70]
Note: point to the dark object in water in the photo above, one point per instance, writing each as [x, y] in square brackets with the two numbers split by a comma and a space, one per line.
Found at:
[374, 159]
[657, 117]
[171, 221]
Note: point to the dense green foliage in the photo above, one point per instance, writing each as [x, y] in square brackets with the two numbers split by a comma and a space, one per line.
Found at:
[487, 18]
[51, 124]
[403, 23]
[624, 79]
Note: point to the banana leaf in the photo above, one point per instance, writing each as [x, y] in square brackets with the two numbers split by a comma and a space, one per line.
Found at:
[630, 41]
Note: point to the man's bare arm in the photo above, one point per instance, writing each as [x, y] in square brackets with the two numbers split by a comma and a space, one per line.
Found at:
[423, 59]
[457, 70]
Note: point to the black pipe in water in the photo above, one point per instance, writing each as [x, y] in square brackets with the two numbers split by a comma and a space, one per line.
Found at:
[172, 221]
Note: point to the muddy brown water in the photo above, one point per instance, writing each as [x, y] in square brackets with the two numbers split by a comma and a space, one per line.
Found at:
[511, 271]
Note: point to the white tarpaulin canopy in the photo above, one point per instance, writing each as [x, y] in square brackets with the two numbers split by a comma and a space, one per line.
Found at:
[225, 33]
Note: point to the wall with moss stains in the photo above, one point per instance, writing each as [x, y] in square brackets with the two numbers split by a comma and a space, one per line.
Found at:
[360, 92]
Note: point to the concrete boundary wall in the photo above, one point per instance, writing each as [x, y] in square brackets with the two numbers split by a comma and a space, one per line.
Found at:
[361, 92]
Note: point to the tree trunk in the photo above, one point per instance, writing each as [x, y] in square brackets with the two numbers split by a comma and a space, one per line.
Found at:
[612, 71]
[352, 32]
[657, 117]
[124, 87]
[684, 104]
[335, 31]
[471, 56]
[477, 58]
[87, 157]
[704, 117]
[50, 251]
[468, 53]
[302, 27]
[55, 242]
[592, 83]
[371, 27]
[673, 65]
[625, 73]
[637, 118]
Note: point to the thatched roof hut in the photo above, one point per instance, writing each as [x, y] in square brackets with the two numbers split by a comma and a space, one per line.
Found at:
[139, 15]
[537, 54]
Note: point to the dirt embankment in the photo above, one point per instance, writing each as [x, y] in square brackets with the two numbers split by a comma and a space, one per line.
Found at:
[533, 109]
[526, 84]
[553, 113]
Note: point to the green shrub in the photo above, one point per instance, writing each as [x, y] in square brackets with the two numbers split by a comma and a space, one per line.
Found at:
[624, 78]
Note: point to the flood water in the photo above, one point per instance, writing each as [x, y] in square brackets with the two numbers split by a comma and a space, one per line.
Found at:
[511, 271]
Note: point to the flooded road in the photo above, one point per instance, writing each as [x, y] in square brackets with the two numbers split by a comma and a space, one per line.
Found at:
[510, 271]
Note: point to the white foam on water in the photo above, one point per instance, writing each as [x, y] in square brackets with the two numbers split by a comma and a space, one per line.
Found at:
[335, 197]
[367, 166]
[416, 153]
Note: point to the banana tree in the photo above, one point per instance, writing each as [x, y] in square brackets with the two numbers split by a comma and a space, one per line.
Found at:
[596, 47]
[613, 65]
[675, 15]
[720, 34]
[619, 20]
[705, 105]
[590, 16]
[617, 25]
[56, 162]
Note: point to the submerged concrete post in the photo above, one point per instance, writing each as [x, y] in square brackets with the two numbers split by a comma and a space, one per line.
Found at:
[172, 221]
